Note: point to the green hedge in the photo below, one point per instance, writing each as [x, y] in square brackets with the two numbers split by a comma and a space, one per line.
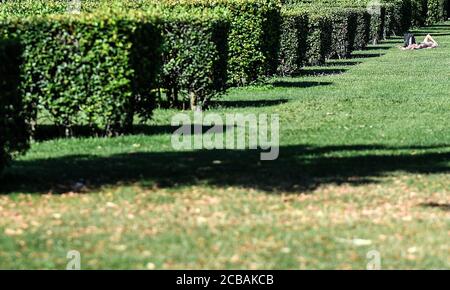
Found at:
[437, 11]
[395, 16]
[292, 54]
[343, 31]
[315, 31]
[194, 55]
[14, 133]
[319, 37]
[310, 35]
[193, 52]
[398, 17]
[253, 39]
[419, 9]
[311, 42]
[25, 8]
[359, 29]
[420, 12]
[91, 69]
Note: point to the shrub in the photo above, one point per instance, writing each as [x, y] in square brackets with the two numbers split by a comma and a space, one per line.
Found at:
[447, 9]
[311, 34]
[14, 133]
[419, 10]
[318, 40]
[350, 28]
[377, 24]
[343, 31]
[436, 11]
[194, 50]
[327, 33]
[253, 38]
[25, 8]
[194, 55]
[359, 31]
[95, 69]
[293, 37]
[398, 17]
[391, 16]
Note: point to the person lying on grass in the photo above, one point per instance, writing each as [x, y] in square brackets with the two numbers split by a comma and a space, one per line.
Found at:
[428, 42]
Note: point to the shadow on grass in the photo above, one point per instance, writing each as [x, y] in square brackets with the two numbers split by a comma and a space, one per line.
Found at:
[377, 47]
[333, 63]
[424, 33]
[298, 168]
[321, 72]
[441, 206]
[439, 26]
[365, 55]
[247, 103]
[297, 84]
[50, 132]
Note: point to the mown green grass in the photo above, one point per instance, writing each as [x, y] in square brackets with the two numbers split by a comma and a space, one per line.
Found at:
[364, 165]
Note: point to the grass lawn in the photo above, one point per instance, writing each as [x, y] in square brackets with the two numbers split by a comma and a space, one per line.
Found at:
[364, 165]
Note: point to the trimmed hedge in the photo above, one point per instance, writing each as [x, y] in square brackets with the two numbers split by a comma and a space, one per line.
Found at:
[343, 31]
[253, 39]
[319, 38]
[377, 26]
[437, 11]
[419, 10]
[311, 34]
[447, 10]
[194, 56]
[391, 17]
[93, 69]
[14, 133]
[359, 29]
[398, 17]
[199, 54]
[293, 38]
[26, 8]
[315, 31]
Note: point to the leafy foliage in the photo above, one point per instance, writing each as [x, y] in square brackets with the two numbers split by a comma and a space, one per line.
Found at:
[437, 11]
[14, 133]
[194, 55]
[92, 69]
[253, 39]
[312, 34]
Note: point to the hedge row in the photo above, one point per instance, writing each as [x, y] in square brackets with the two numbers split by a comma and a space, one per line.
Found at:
[103, 69]
[93, 69]
[313, 33]
[253, 37]
[195, 56]
[429, 11]
[315, 30]
[437, 10]
[420, 12]
[14, 133]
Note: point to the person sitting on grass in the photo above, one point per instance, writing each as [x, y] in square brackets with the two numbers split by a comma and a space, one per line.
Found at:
[410, 43]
